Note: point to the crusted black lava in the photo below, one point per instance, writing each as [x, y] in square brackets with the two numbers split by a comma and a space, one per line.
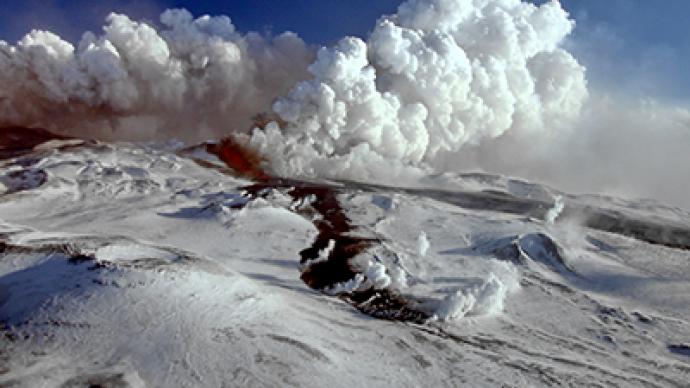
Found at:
[337, 232]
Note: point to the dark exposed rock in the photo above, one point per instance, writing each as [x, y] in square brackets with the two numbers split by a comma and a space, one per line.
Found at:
[242, 159]
[386, 304]
[102, 380]
[15, 141]
[680, 349]
[335, 228]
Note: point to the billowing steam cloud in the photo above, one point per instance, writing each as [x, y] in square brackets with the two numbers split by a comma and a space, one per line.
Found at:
[431, 78]
[442, 85]
[194, 78]
[434, 76]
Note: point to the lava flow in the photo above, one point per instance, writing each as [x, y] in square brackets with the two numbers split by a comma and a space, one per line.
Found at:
[334, 228]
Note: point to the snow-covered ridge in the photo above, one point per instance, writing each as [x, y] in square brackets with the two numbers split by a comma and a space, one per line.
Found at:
[134, 265]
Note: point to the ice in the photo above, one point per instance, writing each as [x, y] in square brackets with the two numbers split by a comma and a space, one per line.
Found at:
[124, 253]
[384, 202]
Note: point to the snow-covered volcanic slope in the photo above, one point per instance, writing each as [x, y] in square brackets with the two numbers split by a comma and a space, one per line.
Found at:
[125, 265]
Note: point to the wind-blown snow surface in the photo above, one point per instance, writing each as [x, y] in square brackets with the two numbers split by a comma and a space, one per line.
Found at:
[135, 266]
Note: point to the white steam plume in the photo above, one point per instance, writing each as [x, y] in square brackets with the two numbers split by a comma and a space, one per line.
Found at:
[194, 78]
[431, 78]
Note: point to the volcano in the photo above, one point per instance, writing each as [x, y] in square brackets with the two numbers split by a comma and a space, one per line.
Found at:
[132, 265]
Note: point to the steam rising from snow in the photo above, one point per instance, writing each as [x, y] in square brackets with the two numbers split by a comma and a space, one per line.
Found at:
[555, 211]
[483, 300]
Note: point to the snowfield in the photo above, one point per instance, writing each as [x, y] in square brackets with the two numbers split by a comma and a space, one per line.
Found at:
[132, 265]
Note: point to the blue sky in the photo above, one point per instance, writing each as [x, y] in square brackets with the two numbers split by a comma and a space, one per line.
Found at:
[638, 46]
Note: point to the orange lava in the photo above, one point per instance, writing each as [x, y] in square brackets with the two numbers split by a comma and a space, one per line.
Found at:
[243, 160]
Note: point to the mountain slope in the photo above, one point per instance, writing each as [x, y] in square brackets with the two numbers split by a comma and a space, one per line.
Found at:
[128, 265]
